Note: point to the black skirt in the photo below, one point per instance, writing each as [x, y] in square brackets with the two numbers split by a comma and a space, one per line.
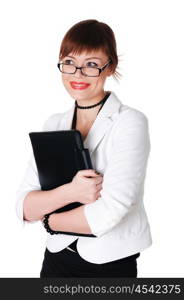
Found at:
[67, 263]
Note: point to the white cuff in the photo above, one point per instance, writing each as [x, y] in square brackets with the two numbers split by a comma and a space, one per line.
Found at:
[19, 208]
[100, 218]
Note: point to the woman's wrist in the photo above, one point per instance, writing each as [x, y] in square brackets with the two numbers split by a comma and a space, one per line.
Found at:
[66, 194]
[50, 224]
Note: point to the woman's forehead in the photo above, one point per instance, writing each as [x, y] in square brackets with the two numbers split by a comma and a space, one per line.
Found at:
[95, 54]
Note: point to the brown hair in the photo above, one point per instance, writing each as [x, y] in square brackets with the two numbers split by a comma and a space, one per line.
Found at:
[89, 35]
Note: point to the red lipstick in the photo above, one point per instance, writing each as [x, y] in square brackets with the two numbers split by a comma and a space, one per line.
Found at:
[79, 85]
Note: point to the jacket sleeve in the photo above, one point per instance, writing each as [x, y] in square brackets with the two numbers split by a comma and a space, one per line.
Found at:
[29, 183]
[124, 173]
[30, 179]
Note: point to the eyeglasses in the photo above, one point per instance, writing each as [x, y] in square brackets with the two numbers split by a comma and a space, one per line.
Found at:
[86, 71]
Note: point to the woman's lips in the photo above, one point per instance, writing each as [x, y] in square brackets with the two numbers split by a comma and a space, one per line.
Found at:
[79, 85]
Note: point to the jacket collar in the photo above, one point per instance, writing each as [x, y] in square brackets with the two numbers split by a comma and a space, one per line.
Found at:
[100, 126]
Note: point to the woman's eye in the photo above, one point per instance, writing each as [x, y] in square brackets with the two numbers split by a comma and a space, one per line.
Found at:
[92, 64]
[68, 62]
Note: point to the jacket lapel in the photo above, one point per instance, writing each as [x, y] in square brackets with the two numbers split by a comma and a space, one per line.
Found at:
[100, 126]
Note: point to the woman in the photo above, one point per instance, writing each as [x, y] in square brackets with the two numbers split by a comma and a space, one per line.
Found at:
[118, 140]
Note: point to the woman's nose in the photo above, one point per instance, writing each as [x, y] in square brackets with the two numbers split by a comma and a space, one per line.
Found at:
[78, 73]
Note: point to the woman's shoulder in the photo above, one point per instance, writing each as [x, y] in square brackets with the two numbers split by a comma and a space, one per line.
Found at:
[52, 121]
[131, 124]
[130, 115]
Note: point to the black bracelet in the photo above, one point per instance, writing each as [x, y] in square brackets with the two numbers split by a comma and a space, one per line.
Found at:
[46, 225]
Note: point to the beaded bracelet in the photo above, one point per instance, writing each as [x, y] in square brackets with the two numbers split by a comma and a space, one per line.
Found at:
[46, 225]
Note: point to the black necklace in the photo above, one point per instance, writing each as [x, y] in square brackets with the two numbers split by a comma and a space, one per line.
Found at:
[91, 106]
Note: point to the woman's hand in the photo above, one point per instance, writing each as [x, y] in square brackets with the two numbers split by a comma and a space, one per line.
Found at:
[86, 186]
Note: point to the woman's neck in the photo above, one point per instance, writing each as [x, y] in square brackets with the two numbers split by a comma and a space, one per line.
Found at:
[89, 114]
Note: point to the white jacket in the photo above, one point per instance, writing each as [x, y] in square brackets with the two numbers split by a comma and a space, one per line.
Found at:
[119, 146]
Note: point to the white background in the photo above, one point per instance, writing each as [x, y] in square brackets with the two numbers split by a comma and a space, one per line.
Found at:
[150, 41]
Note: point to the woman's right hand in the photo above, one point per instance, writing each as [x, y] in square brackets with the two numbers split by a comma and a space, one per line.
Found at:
[86, 186]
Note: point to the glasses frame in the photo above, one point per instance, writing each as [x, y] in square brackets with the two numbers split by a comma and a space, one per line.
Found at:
[81, 68]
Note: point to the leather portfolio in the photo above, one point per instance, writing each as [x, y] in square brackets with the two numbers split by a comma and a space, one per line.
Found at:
[59, 155]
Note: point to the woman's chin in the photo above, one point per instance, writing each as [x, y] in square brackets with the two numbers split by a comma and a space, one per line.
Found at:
[78, 94]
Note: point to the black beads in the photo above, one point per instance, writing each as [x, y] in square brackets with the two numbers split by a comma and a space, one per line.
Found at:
[94, 105]
[46, 225]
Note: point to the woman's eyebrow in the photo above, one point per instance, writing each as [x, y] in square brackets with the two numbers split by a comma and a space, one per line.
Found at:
[86, 58]
[70, 56]
[93, 58]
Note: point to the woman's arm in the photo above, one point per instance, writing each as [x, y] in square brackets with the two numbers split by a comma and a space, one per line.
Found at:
[73, 220]
[38, 203]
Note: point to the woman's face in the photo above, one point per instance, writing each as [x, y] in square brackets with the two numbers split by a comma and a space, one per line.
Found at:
[79, 86]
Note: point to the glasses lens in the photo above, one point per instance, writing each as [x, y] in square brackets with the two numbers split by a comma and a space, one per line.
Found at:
[90, 71]
[67, 68]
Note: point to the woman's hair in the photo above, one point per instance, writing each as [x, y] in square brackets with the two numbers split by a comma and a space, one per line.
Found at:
[90, 35]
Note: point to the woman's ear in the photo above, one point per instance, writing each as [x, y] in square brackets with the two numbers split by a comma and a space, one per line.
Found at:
[110, 71]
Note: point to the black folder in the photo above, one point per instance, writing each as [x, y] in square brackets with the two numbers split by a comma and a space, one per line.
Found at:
[59, 155]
